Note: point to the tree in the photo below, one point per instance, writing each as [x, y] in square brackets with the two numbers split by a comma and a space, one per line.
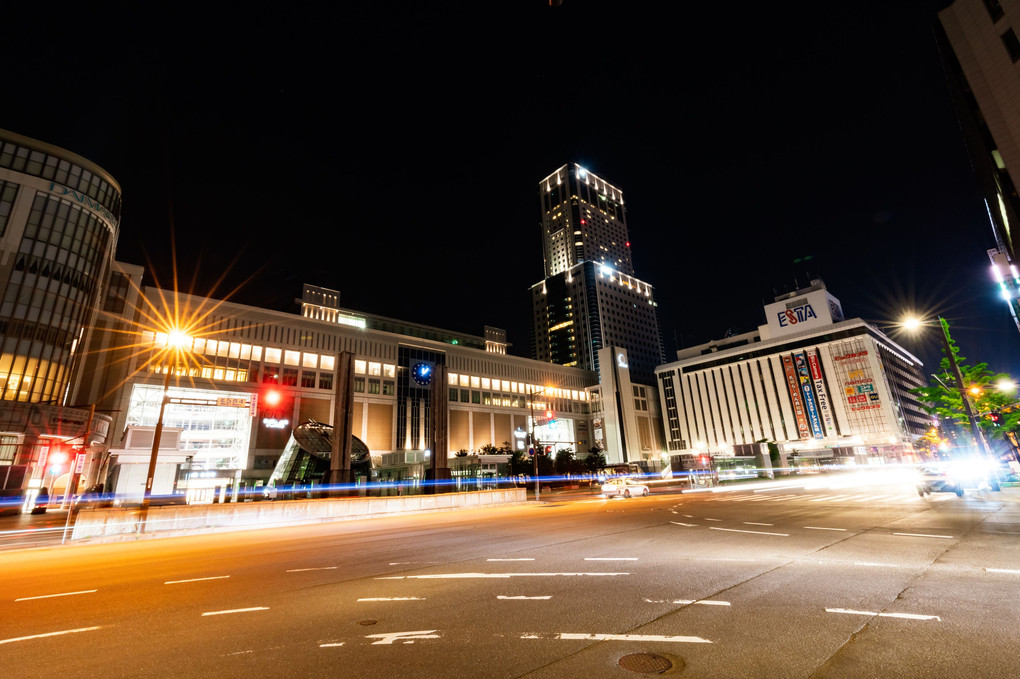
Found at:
[564, 463]
[943, 399]
[594, 461]
[488, 449]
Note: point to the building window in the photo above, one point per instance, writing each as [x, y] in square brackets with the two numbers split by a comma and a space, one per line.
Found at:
[465, 396]
[373, 386]
[388, 388]
[476, 397]
[290, 376]
[994, 9]
[359, 385]
[308, 379]
[325, 380]
[453, 395]
[1009, 39]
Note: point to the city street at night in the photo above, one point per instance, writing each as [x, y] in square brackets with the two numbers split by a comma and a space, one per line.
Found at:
[833, 575]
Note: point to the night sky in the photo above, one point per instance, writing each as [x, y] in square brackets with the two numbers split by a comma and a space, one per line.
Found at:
[393, 152]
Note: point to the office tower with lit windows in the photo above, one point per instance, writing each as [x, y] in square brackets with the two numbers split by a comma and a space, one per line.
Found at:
[590, 298]
[980, 48]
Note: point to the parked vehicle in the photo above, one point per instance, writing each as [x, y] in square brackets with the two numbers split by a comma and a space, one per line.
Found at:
[937, 480]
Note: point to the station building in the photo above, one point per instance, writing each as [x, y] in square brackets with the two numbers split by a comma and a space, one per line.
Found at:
[820, 387]
[59, 221]
[219, 437]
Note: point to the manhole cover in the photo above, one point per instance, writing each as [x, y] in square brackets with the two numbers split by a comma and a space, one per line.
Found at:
[366, 623]
[645, 663]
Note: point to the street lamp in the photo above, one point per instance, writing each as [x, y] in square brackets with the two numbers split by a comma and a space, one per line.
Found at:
[968, 408]
[176, 341]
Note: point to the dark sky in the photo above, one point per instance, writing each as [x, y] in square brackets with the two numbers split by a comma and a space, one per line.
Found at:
[392, 151]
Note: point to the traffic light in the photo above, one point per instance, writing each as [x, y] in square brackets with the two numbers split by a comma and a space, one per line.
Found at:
[58, 457]
[276, 406]
[996, 417]
[550, 416]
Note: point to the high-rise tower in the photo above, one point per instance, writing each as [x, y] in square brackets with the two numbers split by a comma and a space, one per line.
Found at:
[590, 298]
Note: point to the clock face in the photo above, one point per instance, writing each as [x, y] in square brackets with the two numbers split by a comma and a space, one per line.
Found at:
[422, 373]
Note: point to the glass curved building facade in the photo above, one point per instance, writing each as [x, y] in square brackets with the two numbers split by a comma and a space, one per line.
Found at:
[59, 221]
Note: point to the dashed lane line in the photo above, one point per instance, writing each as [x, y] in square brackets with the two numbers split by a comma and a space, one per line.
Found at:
[50, 596]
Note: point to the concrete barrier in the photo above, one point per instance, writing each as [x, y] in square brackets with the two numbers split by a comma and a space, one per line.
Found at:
[116, 524]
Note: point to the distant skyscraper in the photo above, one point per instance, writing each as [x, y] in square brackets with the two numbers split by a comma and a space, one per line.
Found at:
[590, 298]
[981, 52]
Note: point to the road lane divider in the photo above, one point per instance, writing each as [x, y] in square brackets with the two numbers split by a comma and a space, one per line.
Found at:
[521, 559]
[393, 598]
[610, 558]
[212, 577]
[570, 636]
[755, 523]
[908, 616]
[924, 535]
[236, 610]
[523, 598]
[50, 596]
[50, 634]
[469, 576]
[319, 568]
[686, 602]
[688, 525]
[753, 532]
[824, 528]
[1011, 571]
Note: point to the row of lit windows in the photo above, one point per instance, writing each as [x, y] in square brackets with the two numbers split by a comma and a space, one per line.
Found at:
[39, 164]
[476, 382]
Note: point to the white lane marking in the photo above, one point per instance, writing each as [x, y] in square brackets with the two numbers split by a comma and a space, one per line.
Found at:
[703, 602]
[618, 637]
[869, 563]
[177, 582]
[923, 535]
[393, 598]
[755, 532]
[755, 523]
[713, 519]
[610, 558]
[524, 559]
[50, 634]
[442, 576]
[339, 643]
[236, 610]
[824, 528]
[1003, 570]
[320, 568]
[523, 598]
[399, 563]
[683, 524]
[50, 596]
[404, 637]
[908, 616]
[688, 516]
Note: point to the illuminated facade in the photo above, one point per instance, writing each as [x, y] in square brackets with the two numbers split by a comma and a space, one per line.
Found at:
[59, 220]
[590, 298]
[241, 349]
[819, 386]
[980, 48]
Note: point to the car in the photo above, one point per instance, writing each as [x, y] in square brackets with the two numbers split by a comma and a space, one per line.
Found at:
[937, 480]
[623, 487]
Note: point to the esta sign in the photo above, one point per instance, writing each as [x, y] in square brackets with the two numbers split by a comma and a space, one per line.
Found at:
[795, 315]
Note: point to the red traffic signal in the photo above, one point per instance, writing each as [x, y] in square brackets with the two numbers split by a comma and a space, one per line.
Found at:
[58, 457]
[271, 397]
[996, 417]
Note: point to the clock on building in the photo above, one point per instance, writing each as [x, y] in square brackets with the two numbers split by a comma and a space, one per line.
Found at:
[422, 374]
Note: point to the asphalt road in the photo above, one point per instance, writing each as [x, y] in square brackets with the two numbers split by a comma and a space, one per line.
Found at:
[826, 581]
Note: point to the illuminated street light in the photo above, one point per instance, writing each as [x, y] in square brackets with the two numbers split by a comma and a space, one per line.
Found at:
[968, 408]
[177, 343]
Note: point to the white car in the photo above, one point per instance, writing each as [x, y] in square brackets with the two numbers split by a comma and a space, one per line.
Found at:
[623, 488]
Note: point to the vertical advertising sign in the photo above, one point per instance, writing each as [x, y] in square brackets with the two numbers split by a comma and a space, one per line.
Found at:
[828, 423]
[804, 377]
[798, 406]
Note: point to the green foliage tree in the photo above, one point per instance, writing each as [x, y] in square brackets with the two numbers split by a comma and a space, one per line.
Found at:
[595, 461]
[489, 449]
[564, 461]
[942, 398]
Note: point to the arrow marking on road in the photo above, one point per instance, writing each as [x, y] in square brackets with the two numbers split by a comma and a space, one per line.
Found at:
[404, 637]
